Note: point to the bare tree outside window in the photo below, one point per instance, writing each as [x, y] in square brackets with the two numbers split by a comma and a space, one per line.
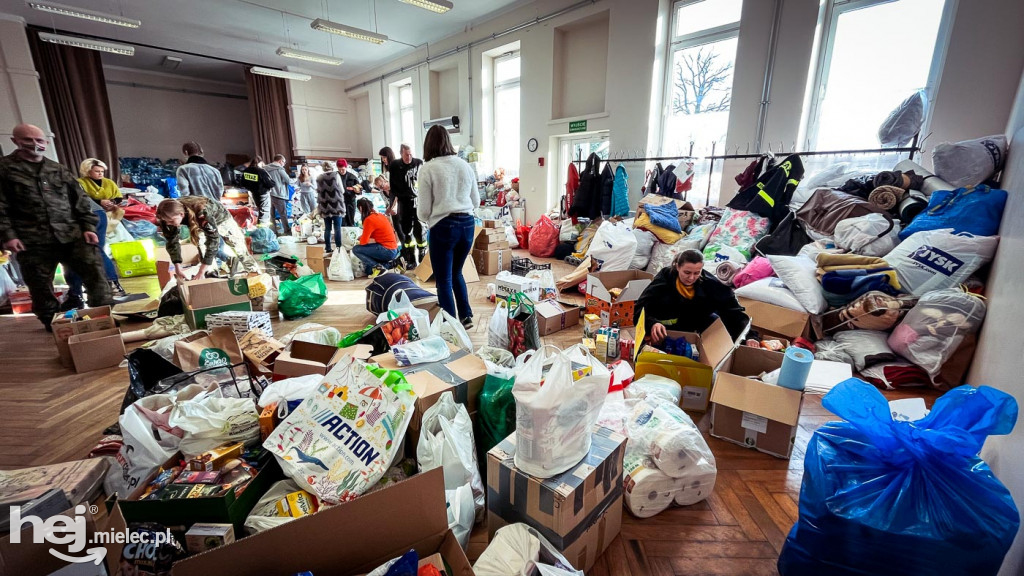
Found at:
[702, 80]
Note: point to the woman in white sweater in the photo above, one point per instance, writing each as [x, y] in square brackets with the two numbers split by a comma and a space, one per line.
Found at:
[447, 195]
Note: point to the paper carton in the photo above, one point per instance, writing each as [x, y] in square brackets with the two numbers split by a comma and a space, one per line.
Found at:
[315, 259]
[569, 509]
[490, 262]
[771, 320]
[714, 345]
[164, 267]
[304, 358]
[553, 316]
[96, 350]
[242, 322]
[600, 300]
[509, 285]
[65, 328]
[425, 271]
[351, 538]
[210, 296]
[751, 413]
[260, 352]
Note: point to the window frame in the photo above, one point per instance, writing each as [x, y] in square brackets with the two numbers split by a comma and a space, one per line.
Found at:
[409, 139]
[831, 11]
[496, 88]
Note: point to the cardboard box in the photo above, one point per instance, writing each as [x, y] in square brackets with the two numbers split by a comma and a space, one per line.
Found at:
[462, 373]
[425, 271]
[714, 345]
[79, 480]
[304, 358]
[260, 352]
[553, 316]
[268, 421]
[490, 262]
[751, 413]
[495, 242]
[205, 536]
[315, 259]
[493, 224]
[242, 322]
[566, 507]
[164, 267]
[771, 320]
[347, 538]
[600, 301]
[96, 350]
[65, 328]
[26, 557]
[509, 285]
[210, 296]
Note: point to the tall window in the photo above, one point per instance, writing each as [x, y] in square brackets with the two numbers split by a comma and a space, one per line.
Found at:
[699, 87]
[506, 112]
[862, 75]
[408, 124]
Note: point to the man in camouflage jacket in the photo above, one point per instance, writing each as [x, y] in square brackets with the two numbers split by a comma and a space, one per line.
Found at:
[45, 219]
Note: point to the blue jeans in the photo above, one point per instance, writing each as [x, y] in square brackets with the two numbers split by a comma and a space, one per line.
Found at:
[449, 244]
[373, 255]
[73, 279]
[329, 223]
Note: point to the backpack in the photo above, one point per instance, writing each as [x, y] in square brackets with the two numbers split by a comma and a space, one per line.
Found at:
[826, 208]
[383, 287]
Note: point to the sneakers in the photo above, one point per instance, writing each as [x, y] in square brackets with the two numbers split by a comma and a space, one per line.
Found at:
[467, 323]
[117, 290]
[71, 302]
[421, 253]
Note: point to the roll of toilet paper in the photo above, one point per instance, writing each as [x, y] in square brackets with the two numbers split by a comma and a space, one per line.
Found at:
[695, 488]
[646, 490]
[677, 450]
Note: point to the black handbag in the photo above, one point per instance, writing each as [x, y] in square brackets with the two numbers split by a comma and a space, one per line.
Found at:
[787, 239]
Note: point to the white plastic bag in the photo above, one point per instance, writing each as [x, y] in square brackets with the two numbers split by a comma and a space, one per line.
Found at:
[446, 441]
[429, 349]
[510, 235]
[290, 389]
[211, 421]
[400, 304]
[645, 242]
[350, 236]
[868, 235]
[315, 333]
[547, 283]
[614, 412]
[554, 421]
[652, 385]
[449, 328]
[264, 514]
[613, 247]
[340, 269]
[935, 327]
[461, 513]
[669, 437]
[340, 441]
[937, 259]
[517, 550]
[497, 328]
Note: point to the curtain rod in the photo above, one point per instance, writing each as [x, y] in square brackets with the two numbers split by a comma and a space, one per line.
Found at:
[181, 90]
[910, 149]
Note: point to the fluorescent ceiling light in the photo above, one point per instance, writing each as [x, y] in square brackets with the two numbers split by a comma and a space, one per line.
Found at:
[65, 10]
[280, 73]
[347, 31]
[87, 43]
[308, 56]
[439, 6]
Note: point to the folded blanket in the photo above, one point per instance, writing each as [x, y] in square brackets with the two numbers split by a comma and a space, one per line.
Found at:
[728, 270]
[830, 262]
[887, 197]
[844, 286]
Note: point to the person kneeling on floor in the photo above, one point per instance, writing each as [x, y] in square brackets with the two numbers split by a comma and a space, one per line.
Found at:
[378, 247]
[687, 298]
[208, 217]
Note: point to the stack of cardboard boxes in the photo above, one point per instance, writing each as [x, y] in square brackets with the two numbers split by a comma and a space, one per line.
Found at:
[491, 252]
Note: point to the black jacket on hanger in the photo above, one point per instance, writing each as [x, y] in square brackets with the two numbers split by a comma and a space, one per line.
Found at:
[607, 184]
[588, 195]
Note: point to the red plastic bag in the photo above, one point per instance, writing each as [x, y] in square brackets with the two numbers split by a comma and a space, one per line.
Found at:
[135, 210]
[522, 235]
[500, 200]
[543, 238]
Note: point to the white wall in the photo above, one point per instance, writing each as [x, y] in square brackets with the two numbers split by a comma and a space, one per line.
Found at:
[21, 99]
[154, 117]
[322, 118]
[363, 145]
[581, 67]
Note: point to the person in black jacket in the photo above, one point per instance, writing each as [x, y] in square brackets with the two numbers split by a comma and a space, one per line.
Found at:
[259, 184]
[687, 298]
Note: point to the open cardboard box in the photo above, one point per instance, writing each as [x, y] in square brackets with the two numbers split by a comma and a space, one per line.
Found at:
[164, 266]
[425, 271]
[351, 538]
[65, 328]
[599, 297]
[751, 413]
[212, 295]
[26, 557]
[305, 358]
[774, 321]
[714, 345]
[96, 350]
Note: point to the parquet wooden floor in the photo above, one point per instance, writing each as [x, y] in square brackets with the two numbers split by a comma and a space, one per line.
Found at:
[49, 414]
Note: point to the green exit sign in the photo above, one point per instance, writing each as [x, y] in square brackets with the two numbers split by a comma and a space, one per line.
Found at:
[577, 126]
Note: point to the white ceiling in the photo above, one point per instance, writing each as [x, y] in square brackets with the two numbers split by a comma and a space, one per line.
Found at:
[250, 31]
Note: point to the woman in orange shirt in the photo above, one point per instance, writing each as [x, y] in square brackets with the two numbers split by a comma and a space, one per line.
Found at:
[378, 247]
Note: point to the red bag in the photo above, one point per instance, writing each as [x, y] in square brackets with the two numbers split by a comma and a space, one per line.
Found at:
[500, 200]
[522, 235]
[543, 238]
[135, 210]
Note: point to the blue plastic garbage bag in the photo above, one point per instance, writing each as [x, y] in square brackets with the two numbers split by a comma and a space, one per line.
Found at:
[882, 498]
[264, 241]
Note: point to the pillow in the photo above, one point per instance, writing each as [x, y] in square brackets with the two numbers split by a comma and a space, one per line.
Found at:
[866, 347]
[701, 233]
[665, 215]
[740, 229]
[643, 222]
[771, 291]
[798, 274]
[663, 254]
[645, 242]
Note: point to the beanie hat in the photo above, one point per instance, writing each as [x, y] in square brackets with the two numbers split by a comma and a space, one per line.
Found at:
[342, 163]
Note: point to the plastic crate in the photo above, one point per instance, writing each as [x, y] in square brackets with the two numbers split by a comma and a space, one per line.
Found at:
[521, 266]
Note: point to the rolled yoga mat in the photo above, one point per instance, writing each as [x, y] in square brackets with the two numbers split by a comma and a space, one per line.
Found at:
[647, 490]
[795, 367]
[931, 181]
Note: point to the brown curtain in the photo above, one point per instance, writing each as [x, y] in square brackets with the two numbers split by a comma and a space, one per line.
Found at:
[75, 95]
[268, 104]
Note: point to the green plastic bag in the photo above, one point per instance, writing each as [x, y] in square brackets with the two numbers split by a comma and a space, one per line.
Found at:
[496, 412]
[300, 297]
[353, 338]
[392, 378]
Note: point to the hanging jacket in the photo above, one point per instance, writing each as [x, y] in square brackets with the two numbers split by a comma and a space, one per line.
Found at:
[620, 193]
[607, 185]
[651, 186]
[770, 194]
[588, 195]
[751, 172]
[571, 184]
[667, 181]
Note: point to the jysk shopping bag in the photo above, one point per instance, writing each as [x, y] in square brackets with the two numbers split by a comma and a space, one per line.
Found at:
[523, 330]
[342, 439]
